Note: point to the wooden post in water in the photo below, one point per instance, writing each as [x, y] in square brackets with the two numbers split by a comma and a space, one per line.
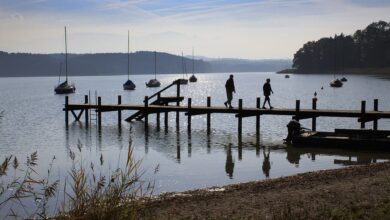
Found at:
[158, 113]
[362, 122]
[119, 111]
[375, 122]
[66, 111]
[86, 111]
[177, 102]
[146, 112]
[314, 119]
[208, 115]
[297, 107]
[189, 115]
[99, 112]
[239, 117]
[258, 117]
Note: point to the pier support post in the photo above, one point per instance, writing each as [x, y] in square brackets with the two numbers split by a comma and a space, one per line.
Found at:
[178, 102]
[240, 129]
[86, 111]
[208, 115]
[66, 111]
[363, 110]
[297, 107]
[189, 115]
[258, 117]
[119, 111]
[146, 113]
[158, 114]
[314, 119]
[99, 112]
[239, 118]
[375, 122]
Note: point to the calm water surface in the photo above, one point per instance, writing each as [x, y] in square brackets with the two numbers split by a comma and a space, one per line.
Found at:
[171, 158]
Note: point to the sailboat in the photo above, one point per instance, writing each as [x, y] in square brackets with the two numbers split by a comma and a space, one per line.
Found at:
[154, 82]
[65, 87]
[193, 77]
[128, 85]
[183, 81]
[336, 82]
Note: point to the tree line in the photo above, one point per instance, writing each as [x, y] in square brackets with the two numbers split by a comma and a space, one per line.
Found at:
[367, 48]
[141, 62]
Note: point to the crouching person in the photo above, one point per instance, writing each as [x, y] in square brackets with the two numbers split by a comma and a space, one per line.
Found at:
[293, 128]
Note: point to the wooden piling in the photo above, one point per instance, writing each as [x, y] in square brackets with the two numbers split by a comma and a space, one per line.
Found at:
[240, 117]
[189, 115]
[119, 111]
[257, 117]
[158, 114]
[208, 115]
[314, 119]
[178, 102]
[86, 111]
[66, 111]
[363, 111]
[99, 112]
[375, 122]
[146, 102]
[297, 107]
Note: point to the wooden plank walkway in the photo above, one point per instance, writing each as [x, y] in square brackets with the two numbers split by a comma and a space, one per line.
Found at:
[244, 112]
[161, 105]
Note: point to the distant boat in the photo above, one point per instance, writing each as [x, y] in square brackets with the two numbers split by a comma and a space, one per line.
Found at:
[128, 85]
[183, 81]
[154, 82]
[336, 83]
[65, 87]
[286, 76]
[343, 79]
[193, 77]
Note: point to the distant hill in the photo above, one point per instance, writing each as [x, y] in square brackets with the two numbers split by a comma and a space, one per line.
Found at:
[142, 62]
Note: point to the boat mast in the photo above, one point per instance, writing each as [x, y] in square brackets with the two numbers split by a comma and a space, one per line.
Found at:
[182, 63]
[128, 55]
[66, 57]
[155, 65]
[193, 61]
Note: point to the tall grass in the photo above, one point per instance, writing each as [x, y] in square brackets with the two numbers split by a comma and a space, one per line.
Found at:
[86, 192]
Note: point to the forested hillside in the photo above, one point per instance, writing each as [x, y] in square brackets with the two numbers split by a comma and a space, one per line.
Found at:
[367, 48]
[26, 64]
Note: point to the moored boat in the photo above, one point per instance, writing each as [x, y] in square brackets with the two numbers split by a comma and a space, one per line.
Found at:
[128, 85]
[336, 83]
[343, 79]
[345, 138]
[193, 77]
[154, 82]
[65, 87]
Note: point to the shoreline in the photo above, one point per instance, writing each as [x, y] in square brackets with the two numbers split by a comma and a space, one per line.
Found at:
[385, 72]
[360, 191]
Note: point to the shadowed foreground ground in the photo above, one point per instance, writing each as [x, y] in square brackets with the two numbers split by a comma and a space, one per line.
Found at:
[359, 192]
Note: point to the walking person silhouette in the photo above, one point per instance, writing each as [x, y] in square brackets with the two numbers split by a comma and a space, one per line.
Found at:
[267, 92]
[229, 91]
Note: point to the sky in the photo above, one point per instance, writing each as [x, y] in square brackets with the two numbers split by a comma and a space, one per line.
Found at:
[247, 29]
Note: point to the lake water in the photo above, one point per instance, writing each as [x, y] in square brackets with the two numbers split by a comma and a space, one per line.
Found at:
[33, 120]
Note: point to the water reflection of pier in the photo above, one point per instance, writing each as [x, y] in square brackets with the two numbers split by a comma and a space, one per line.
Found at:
[172, 143]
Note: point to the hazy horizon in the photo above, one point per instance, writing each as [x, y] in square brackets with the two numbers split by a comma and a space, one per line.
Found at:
[246, 29]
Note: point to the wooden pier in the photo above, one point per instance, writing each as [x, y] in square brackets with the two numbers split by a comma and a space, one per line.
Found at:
[161, 104]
